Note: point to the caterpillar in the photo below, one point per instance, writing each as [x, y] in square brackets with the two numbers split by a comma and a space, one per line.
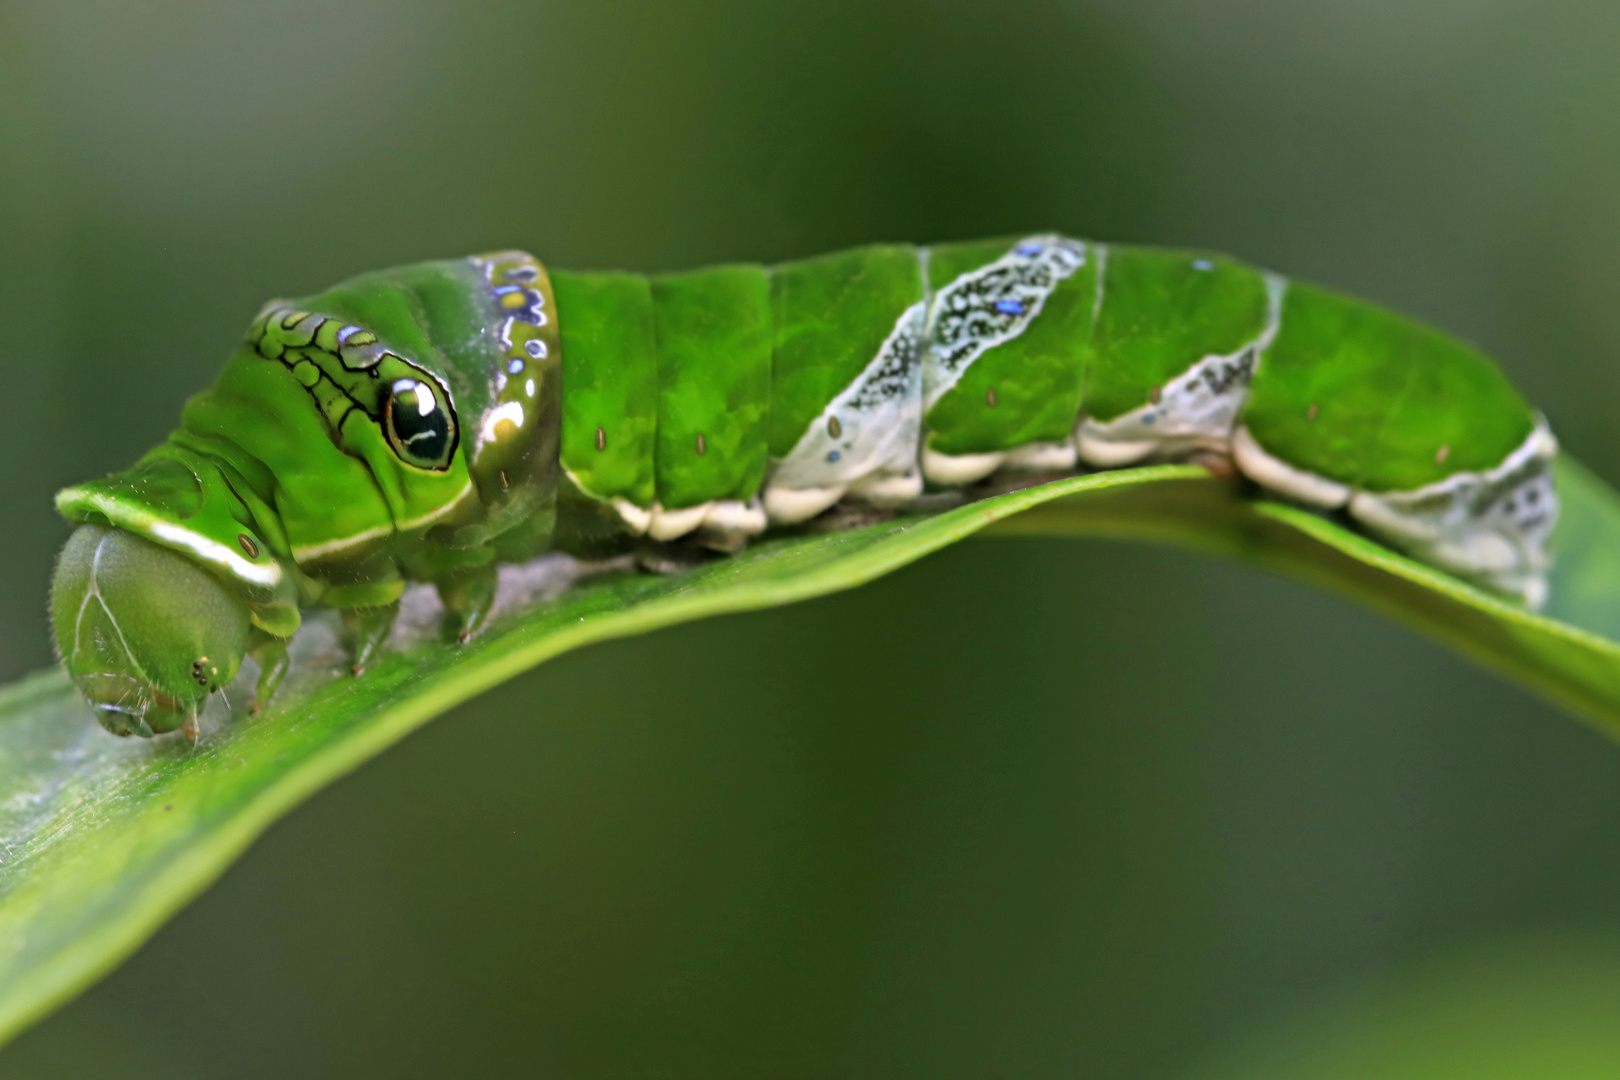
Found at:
[428, 422]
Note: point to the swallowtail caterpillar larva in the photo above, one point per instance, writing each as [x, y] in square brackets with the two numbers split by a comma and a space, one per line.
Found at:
[428, 422]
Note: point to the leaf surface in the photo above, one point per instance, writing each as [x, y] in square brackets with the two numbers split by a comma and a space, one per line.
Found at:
[103, 839]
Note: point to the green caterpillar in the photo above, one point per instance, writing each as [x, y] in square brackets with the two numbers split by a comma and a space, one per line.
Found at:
[428, 422]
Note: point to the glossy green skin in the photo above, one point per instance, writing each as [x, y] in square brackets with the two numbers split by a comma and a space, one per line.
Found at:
[1368, 397]
[1037, 377]
[1388, 391]
[713, 329]
[611, 348]
[747, 359]
[1160, 313]
[830, 315]
[288, 482]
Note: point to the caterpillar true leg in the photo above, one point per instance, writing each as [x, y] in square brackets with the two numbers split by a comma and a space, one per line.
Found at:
[468, 598]
[364, 631]
[270, 653]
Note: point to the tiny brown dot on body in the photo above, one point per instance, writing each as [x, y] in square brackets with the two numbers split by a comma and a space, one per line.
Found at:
[249, 548]
[990, 397]
[834, 428]
[504, 484]
[601, 438]
[702, 446]
[1310, 413]
[1156, 394]
[1441, 454]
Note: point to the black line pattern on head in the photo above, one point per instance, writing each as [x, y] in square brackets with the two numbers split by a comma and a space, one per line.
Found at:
[292, 345]
[291, 337]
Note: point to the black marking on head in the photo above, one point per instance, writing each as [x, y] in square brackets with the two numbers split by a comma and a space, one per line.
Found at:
[424, 440]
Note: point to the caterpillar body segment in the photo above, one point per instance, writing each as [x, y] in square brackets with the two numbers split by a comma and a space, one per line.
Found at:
[428, 422]
[846, 380]
[1164, 308]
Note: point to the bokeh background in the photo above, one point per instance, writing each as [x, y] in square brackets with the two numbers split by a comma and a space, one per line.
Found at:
[1031, 808]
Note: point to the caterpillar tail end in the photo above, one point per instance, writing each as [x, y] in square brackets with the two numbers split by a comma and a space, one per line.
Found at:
[1492, 527]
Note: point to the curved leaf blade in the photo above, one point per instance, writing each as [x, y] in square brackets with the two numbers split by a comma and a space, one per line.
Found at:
[1566, 652]
[102, 839]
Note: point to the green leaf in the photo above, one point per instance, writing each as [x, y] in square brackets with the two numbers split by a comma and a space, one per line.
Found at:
[102, 839]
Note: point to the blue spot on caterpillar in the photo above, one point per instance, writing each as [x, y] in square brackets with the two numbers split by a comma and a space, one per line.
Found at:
[1029, 250]
[1009, 307]
[833, 455]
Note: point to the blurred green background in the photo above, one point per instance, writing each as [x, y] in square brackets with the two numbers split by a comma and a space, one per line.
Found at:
[1031, 808]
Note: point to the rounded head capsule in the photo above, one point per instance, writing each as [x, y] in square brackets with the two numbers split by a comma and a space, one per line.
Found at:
[145, 633]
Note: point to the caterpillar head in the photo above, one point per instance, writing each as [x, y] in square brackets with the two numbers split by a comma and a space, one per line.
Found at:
[145, 633]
